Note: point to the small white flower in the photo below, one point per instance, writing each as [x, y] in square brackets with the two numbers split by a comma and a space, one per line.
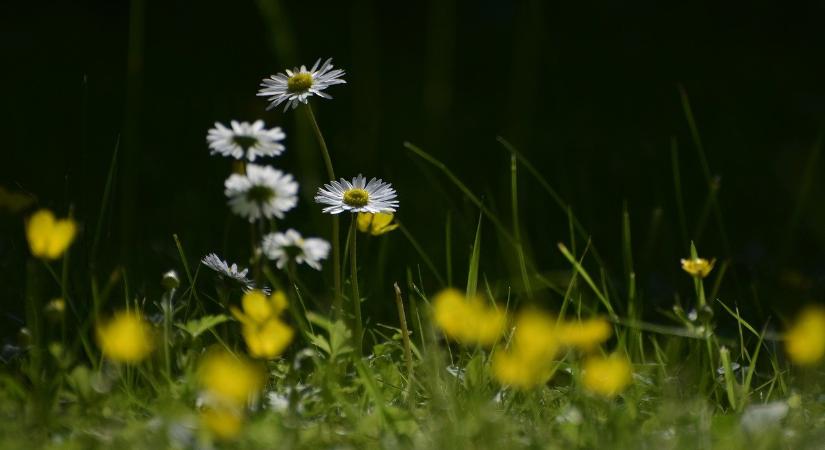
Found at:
[245, 139]
[261, 192]
[357, 196]
[280, 247]
[223, 268]
[297, 85]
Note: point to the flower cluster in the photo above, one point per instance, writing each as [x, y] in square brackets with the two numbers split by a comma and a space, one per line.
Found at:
[528, 359]
[266, 335]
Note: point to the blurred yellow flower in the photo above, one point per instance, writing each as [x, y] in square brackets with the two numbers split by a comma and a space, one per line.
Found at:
[265, 334]
[232, 379]
[805, 340]
[698, 267]
[376, 224]
[269, 339]
[529, 361]
[607, 376]
[512, 369]
[224, 423]
[48, 237]
[468, 321]
[535, 337]
[584, 335]
[126, 338]
[258, 308]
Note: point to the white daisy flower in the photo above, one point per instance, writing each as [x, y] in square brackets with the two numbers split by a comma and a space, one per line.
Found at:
[245, 139]
[280, 247]
[263, 192]
[223, 268]
[297, 85]
[357, 196]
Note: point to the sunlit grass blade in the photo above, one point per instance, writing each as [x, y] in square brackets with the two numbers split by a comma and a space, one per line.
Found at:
[475, 256]
[586, 277]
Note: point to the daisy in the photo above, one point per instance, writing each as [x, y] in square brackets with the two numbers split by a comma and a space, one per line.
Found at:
[357, 196]
[223, 268]
[263, 192]
[245, 139]
[280, 247]
[297, 85]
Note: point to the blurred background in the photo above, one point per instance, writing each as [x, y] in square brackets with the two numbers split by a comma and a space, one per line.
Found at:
[589, 93]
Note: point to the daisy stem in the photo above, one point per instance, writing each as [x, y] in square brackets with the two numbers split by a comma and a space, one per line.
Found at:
[356, 296]
[336, 224]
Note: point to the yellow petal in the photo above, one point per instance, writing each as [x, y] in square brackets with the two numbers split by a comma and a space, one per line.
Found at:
[364, 221]
[224, 423]
[608, 376]
[279, 302]
[269, 340]
[256, 306]
[61, 237]
[38, 231]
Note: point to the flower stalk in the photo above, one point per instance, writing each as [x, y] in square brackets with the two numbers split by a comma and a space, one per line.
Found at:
[336, 223]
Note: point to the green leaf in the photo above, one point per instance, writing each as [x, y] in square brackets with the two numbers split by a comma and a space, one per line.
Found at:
[196, 327]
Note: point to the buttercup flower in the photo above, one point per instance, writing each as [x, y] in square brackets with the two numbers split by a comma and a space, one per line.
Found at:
[376, 224]
[229, 379]
[529, 360]
[263, 192]
[280, 247]
[357, 196]
[265, 334]
[805, 340]
[698, 267]
[297, 85]
[223, 268]
[125, 338]
[48, 237]
[608, 376]
[258, 307]
[245, 140]
[468, 321]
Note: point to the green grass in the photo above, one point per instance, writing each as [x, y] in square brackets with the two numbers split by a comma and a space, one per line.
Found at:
[696, 384]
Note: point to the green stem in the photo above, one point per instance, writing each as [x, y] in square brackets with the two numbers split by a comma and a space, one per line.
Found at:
[336, 225]
[356, 296]
[405, 336]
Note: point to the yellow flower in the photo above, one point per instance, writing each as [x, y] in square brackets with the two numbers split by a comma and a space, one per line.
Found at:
[267, 340]
[608, 376]
[584, 335]
[224, 423]
[48, 237]
[512, 369]
[125, 338]
[376, 224]
[534, 338]
[698, 267]
[232, 379]
[529, 362]
[805, 341]
[258, 308]
[265, 334]
[469, 322]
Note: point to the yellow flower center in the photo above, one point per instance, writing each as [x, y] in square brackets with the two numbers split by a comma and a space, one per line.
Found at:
[299, 82]
[356, 197]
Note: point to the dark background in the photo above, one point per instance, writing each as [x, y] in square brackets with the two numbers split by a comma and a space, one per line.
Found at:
[587, 91]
